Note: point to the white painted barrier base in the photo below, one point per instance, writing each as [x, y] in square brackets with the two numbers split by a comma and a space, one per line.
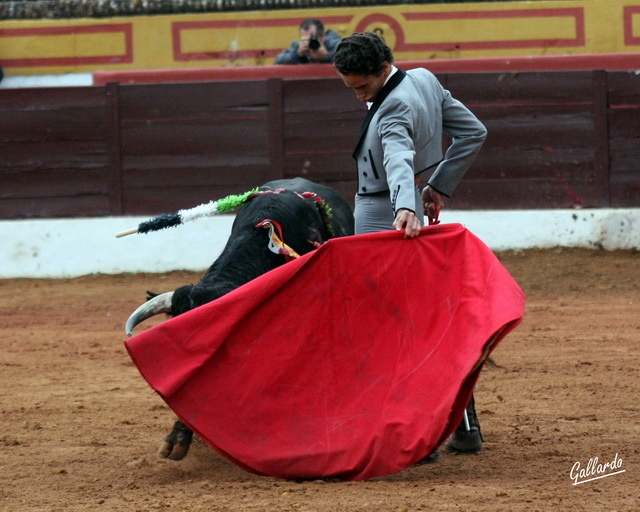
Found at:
[56, 248]
[54, 80]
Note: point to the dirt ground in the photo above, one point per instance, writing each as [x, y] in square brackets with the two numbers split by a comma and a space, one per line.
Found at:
[80, 427]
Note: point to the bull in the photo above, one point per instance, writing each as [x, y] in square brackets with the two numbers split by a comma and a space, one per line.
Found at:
[306, 214]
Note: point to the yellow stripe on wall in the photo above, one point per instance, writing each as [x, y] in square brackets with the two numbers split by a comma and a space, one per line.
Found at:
[254, 38]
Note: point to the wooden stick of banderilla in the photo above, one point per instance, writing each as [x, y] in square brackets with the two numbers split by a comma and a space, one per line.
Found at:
[127, 232]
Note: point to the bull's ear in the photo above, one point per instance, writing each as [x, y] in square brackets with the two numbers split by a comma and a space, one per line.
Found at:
[202, 294]
[315, 238]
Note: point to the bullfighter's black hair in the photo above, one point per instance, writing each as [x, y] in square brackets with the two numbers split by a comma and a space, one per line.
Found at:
[362, 53]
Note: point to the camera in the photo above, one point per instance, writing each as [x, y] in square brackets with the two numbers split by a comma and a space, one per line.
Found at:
[314, 44]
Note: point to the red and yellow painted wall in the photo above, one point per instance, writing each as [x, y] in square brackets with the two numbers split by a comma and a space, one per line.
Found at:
[415, 32]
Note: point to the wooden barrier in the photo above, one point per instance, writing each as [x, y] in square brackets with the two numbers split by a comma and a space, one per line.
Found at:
[557, 139]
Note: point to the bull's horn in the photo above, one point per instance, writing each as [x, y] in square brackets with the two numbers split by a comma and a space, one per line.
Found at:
[158, 304]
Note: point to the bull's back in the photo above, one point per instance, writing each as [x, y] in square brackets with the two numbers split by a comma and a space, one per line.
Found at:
[342, 221]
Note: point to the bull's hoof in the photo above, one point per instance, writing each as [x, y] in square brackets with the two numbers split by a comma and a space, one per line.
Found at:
[171, 451]
[165, 450]
[179, 452]
[176, 445]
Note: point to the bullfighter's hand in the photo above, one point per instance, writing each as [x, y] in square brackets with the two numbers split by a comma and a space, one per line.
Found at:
[431, 198]
[408, 221]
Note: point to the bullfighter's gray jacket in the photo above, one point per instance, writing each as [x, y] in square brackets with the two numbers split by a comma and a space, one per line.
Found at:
[402, 137]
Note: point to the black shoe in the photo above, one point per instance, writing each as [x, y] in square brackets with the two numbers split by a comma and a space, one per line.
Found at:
[429, 459]
[467, 441]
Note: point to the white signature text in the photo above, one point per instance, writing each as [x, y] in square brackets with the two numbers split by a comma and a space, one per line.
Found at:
[595, 470]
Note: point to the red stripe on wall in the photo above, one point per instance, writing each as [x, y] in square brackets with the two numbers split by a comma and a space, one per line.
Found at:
[607, 61]
[629, 38]
[574, 12]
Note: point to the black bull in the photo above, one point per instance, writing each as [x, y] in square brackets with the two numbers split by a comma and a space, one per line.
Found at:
[305, 224]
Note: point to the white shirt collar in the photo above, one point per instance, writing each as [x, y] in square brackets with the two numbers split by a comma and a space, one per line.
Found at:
[393, 72]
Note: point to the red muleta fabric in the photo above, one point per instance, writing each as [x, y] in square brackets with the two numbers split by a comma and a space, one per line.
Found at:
[354, 361]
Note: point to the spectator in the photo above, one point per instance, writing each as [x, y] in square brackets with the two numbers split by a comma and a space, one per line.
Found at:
[314, 47]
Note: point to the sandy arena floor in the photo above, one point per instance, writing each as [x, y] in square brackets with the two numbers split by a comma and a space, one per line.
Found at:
[80, 427]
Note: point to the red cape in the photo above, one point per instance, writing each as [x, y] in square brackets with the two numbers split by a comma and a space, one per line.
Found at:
[354, 361]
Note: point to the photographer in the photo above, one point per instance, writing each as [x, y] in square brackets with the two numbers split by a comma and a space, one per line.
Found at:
[314, 47]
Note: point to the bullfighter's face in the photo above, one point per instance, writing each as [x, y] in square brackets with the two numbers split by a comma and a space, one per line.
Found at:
[367, 87]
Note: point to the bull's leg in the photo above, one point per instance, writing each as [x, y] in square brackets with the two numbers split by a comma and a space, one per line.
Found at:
[176, 445]
[467, 438]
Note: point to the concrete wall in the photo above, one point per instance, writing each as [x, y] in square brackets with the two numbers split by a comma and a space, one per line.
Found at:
[56, 248]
